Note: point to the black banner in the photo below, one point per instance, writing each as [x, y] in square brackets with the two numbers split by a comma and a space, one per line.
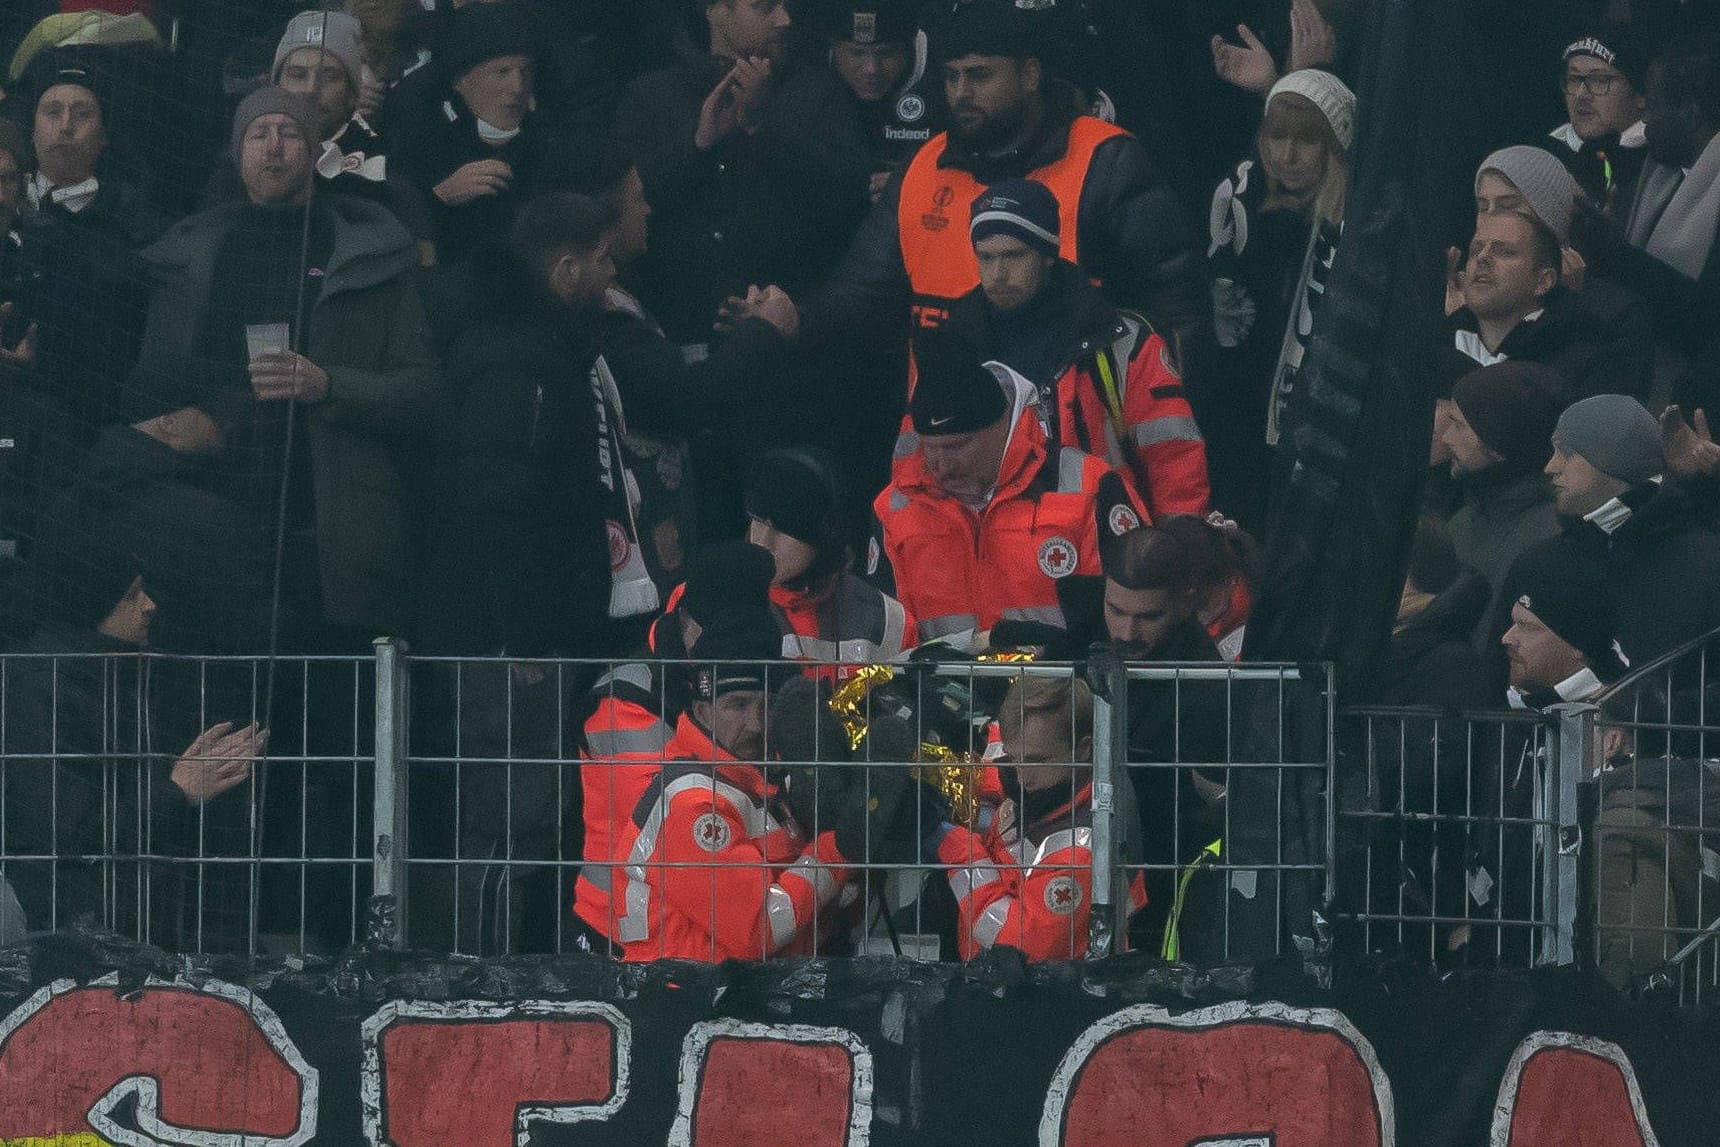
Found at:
[104, 1042]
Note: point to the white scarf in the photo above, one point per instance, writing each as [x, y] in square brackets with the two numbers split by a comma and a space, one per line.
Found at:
[73, 198]
[1684, 233]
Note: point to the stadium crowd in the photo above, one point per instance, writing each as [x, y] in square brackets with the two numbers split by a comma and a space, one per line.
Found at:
[837, 331]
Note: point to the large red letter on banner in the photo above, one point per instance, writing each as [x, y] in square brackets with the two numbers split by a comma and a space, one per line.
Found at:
[747, 1084]
[208, 1064]
[1565, 1090]
[480, 1072]
[1236, 1075]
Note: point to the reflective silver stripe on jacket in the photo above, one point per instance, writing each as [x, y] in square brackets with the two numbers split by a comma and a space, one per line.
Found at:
[633, 673]
[933, 627]
[906, 443]
[990, 922]
[1070, 465]
[598, 875]
[615, 742]
[1048, 614]
[635, 923]
[1057, 842]
[1172, 428]
[963, 881]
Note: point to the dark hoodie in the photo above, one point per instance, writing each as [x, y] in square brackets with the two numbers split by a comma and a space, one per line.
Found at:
[1431, 660]
[1599, 349]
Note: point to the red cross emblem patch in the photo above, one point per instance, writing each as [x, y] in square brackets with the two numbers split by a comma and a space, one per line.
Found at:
[1058, 557]
[711, 832]
[1063, 895]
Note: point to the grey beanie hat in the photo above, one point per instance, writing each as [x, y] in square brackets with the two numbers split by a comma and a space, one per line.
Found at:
[1543, 180]
[273, 101]
[334, 32]
[1616, 434]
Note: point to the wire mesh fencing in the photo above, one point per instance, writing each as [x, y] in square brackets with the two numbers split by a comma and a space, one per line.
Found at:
[167, 799]
[1656, 782]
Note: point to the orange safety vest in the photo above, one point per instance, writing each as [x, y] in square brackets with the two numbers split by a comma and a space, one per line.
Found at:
[937, 202]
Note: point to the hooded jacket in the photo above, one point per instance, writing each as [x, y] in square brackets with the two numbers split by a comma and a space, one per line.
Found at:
[1597, 347]
[1503, 514]
[960, 571]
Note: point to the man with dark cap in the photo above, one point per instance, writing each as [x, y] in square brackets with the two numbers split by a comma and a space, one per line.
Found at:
[636, 706]
[1662, 564]
[473, 151]
[82, 287]
[984, 516]
[1499, 435]
[754, 166]
[1105, 378]
[1121, 221]
[880, 53]
[292, 299]
[1604, 142]
[84, 711]
[717, 865]
[794, 502]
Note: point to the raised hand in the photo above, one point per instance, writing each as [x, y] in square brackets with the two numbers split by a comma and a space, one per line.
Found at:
[220, 758]
[1250, 67]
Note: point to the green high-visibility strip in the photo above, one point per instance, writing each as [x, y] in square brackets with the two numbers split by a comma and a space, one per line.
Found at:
[1173, 941]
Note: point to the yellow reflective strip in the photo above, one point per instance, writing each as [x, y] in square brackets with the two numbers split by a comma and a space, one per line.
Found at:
[1113, 400]
[76, 1139]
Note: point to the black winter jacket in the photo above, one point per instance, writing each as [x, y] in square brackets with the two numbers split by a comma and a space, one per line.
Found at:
[1599, 347]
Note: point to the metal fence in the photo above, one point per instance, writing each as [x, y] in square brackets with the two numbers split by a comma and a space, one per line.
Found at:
[1201, 812]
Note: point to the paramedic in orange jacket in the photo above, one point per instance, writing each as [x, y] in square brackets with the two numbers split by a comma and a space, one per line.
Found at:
[794, 501]
[635, 707]
[984, 516]
[1105, 378]
[1026, 881]
[716, 867]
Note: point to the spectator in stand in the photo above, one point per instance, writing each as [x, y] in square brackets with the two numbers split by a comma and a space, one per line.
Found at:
[1151, 601]
[1026, 882]
[794, 502]
[985, 515]
[1661, 563]
[878, 50]
[754, 167]
[335, 275]
[674, 405]
[320, 57]
[474, 153]
[1604, 142]
[83, 288]
[520, 564]
[1275, 225]
[1104, 378]
[1120, 220]
[1673, 227]
[1505, 303]
[394, 45]
[718, 865]
[1499, 435]
[634, 710]
[1530, 181]
[1433, 659]
[75, 717]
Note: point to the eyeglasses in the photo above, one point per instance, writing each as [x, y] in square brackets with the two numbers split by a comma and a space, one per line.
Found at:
[1595, 83]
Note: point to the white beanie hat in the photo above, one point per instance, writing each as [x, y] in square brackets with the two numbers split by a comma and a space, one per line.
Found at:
[1326, 92]
[1544, 182]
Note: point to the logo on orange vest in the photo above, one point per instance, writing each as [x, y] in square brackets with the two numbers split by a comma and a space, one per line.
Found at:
[618, 546]
[711, 832]
[935, 219]
[1063, 895]
[1122, 519]
[1057, 557]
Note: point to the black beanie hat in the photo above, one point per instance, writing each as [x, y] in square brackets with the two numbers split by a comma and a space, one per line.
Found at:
[954, 393]
[74, 67]
[728, 583]
[1619, 45]
[991, 28]
[797, 491]
[1513, 407]
[868, 21]
[727, 658]
[1571, 595]
[1023, 208]
[479, 32]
